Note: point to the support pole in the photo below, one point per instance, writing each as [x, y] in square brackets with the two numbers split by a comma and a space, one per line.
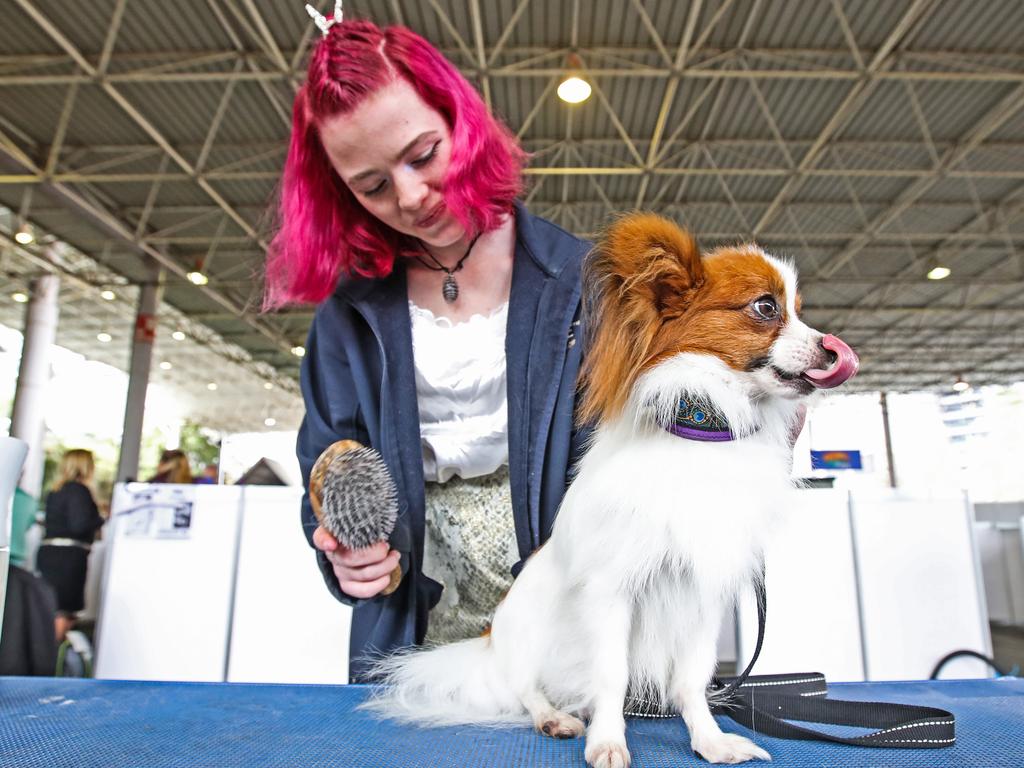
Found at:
[884, 400]
[39, 333]
[142, 358]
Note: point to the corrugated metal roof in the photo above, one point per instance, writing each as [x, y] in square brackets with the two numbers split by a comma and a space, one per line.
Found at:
[832, 194]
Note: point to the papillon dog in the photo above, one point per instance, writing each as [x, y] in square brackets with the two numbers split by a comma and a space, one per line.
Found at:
[695, 372]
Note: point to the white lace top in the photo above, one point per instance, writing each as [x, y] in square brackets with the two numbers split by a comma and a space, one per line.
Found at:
[460, 388]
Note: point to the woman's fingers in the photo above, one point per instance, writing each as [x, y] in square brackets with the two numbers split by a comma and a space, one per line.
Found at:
[323, 541]
[370, 572]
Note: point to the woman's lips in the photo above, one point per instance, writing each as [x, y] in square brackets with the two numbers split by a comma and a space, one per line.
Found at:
[432, 217]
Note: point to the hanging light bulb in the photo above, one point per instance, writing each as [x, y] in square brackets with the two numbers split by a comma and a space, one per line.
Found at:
[270, 421]
[197, 278]
[25, 235]
[960, 385]
[178, 336]
[937, 270]
[21, 298]
[574, 89]
[108, 295]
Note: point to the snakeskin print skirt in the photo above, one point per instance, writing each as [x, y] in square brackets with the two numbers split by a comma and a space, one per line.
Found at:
[470, 548]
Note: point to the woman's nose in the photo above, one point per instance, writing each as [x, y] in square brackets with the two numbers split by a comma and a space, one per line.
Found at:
[411, 190]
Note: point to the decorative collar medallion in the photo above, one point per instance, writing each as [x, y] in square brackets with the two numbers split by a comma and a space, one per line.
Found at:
[694, 422]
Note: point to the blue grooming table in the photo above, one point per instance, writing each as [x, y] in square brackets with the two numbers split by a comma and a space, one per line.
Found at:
[60, 723]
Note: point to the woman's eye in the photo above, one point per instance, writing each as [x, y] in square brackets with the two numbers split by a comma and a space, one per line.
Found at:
[374, 190]
[765, 308]
[426, 158]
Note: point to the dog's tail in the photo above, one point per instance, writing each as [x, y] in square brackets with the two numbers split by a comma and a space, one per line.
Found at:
[455, 683]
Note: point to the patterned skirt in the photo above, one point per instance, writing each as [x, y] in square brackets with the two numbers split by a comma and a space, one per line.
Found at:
[470, 548]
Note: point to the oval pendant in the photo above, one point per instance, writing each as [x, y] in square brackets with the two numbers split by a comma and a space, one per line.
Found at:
[450, 289]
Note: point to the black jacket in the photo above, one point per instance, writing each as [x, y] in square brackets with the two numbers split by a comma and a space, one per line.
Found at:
[358, 382]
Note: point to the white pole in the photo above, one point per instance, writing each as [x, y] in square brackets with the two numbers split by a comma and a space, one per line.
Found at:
[39, 334]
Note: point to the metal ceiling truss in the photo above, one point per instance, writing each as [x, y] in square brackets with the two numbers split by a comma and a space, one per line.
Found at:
[734, 183]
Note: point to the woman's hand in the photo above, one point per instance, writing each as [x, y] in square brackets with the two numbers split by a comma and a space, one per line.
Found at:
[361, 573]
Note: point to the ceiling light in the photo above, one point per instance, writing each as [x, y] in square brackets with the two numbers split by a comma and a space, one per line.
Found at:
[105, 337]
[108, 295]
[178, 336]
[268, 385]
[573, 89]
[298, 351]
[197, 278]
[25, 235]
[212, 386]
[165, 365]
[19, 297]
[270, 421]
[939, 272]
[960, 385]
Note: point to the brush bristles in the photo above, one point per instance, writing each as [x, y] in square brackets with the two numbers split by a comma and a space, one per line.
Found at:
[359, 501]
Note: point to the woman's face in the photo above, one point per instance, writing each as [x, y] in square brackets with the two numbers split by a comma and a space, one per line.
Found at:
[393, 151]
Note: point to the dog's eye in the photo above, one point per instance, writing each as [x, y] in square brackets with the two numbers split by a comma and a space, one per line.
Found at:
[765, 308]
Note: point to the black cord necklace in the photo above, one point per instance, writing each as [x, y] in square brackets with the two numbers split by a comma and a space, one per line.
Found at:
[450, 288]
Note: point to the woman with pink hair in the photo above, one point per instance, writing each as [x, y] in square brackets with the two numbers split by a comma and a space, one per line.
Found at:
[445, 332]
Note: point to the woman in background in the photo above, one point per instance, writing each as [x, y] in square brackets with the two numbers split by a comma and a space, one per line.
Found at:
[173, 468]
[72, 520]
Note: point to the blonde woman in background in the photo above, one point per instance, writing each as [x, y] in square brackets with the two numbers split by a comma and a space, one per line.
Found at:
[173, 468]
[72, 520]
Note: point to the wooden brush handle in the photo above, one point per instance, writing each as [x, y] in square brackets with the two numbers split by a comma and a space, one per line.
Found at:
[316, 476]
[316, 485]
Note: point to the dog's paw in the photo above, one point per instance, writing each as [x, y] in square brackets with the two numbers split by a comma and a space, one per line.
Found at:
[559, 725]
[728, 748]
[607, 755]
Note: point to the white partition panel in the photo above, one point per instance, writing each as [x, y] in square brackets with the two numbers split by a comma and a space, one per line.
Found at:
[287, 628]
[167, 585]
[921, 595]
[813, 622]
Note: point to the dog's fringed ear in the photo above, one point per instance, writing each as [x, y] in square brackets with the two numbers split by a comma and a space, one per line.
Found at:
[642, 272]
[654, 256]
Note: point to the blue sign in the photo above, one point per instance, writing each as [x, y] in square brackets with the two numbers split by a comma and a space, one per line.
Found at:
[836, 460]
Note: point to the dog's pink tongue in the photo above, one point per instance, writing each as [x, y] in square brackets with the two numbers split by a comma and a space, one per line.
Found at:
[841, 370]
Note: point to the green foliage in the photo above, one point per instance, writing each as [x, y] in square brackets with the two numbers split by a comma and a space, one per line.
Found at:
[201, 445]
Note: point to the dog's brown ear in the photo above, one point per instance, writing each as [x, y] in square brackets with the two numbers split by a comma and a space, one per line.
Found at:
[655, 256]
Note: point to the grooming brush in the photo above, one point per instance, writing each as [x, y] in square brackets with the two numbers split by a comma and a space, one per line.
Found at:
[354, 498]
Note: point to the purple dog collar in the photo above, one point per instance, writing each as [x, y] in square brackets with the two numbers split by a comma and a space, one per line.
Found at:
[707, 436]
[696, 422]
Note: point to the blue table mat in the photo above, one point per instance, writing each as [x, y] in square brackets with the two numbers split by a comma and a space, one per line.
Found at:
[60, 723]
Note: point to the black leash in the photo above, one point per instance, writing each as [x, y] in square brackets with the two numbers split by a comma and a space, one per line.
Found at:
[766, 703]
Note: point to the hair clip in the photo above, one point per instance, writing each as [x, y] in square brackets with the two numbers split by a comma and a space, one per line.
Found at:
[322, 22]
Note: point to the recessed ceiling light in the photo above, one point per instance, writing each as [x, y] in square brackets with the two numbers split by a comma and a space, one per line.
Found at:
[178, 336]
[197, 278]
[108, 295]
[104, 337]
[270, 421]
[268, 385]
[19, 297]
[960, 385]
[212, 386]
[298, 351]
[939, 273]
[166, 365]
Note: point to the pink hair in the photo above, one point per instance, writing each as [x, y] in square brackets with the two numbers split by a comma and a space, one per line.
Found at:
[323, 231]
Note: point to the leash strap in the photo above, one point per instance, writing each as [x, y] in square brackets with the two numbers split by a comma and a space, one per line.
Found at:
[766, 703]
